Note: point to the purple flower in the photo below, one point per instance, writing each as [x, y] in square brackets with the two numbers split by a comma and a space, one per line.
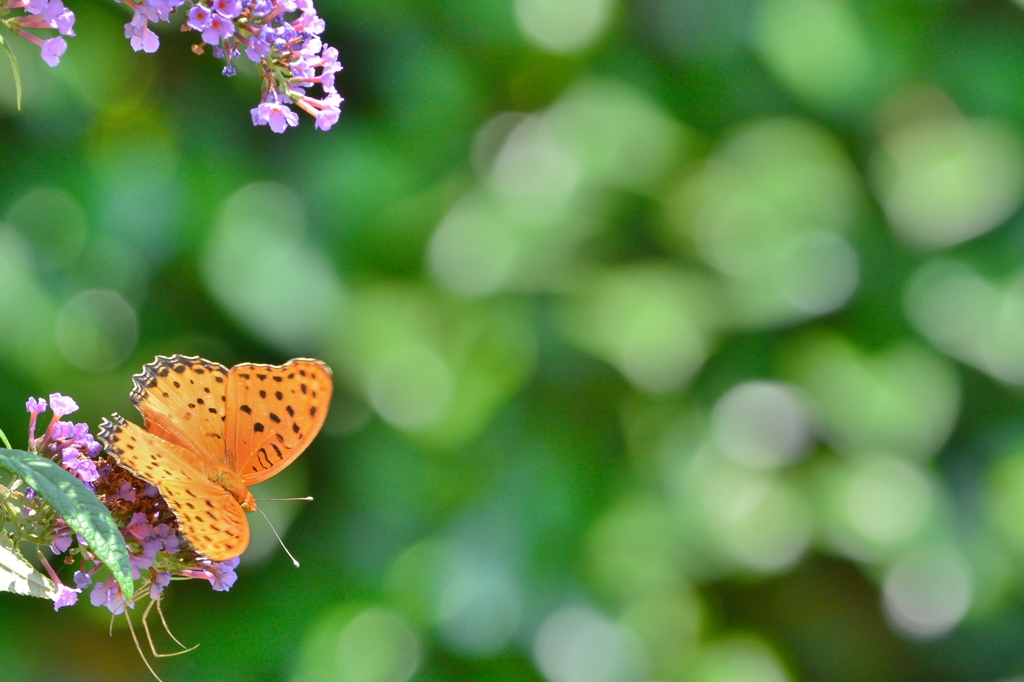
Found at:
[59, 17]
[258, 50]
[327, 118]
[228, 8]
[139, 526]
[36, 407]
[65, 597]
[279, 36]
[223, 574]
[92, 447]
[126, 492]
[166, 537]
[278, 116]
[61, 543]
[150, 548]
[199, 18]
[139, 34]
[326, 110]
[138, 562]
[160, 581]
[312, 46]
[30, 494]
[220, 28]
[61, 405]
[156, 10]
[83, 468]
[108, 593]
[83, 579]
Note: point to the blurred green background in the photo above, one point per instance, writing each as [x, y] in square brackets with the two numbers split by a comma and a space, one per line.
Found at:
[674, 340]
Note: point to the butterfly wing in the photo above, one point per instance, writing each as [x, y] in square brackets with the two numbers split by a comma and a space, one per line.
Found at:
[182, 400]
[208, 516]
[273, 413]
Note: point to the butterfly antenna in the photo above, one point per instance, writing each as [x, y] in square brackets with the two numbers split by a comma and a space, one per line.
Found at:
[286, 499]
[294, 561]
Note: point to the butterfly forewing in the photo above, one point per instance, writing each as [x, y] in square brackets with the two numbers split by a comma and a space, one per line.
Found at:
[209, 517]
[182, 400]
[273, 413]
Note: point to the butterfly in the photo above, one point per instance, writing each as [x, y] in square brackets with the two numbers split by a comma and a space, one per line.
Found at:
[211, 432]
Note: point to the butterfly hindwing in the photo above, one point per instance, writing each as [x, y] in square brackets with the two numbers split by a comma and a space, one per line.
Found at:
[182, 400]
[273, 413]
[209, 517]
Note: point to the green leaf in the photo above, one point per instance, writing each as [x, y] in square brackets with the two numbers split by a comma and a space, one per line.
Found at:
[78, 506]
[14, 68]
[18, 576]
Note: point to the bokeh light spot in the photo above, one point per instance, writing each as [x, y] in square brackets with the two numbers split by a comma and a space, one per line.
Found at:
[564, 26]
[650, 321]
[970, 318]
[761, 424]
[411, 387]
[903, 400]
[737, 659]
[479, 606]
[888, 500]
[258, 265]
[377, 646]
[473, 251]
[96, 330]
[818, 273]
[53, 224]
[578, 644]
[927, 592]
[817, 48]
[756, 518]
[942, 182]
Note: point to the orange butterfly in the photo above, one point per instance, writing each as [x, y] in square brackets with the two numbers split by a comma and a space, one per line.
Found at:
[210, 433]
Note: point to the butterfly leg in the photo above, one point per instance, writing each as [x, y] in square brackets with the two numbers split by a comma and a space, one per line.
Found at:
[138, 647]
[160, 610]
[145, 625]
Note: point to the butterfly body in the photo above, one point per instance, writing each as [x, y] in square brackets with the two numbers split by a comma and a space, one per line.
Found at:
[232, 484]
[211, 432]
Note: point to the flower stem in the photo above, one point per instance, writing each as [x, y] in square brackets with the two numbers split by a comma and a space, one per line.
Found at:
[7, 443]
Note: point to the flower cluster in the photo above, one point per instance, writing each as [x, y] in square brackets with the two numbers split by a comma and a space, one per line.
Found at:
[70, 443]
[156, 549]
[40, 14]
[282, 37]
[288, 52]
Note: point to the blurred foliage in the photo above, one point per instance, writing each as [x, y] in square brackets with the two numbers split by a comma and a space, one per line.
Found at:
[675, 340]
